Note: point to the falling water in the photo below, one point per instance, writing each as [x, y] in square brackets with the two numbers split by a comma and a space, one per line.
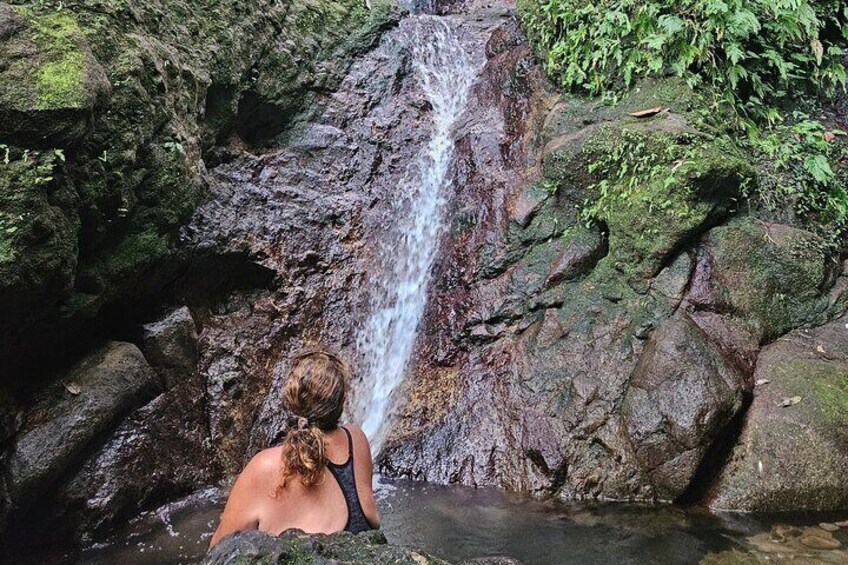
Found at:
[445, 73]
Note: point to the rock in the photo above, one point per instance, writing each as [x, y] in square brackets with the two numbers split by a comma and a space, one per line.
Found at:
[10, 416]
[50, 81]
[170, 345]
[581, 253]
[649, 225]
[159, 453]
[682, 396]
[293, 546]
[816, 538]
[828, 527]
[671, 282]
[793, 458]
[769, 275]
[63, 427]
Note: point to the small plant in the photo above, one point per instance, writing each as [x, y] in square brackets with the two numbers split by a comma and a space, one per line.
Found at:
[624, 168]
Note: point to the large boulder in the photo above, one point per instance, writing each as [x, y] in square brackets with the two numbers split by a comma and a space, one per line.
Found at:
[65, 424]
[159, 453]
[772, 276]
[683, 394]
[611, 161]
[793, 451]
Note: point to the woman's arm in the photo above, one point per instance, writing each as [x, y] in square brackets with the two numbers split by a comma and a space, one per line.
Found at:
[244, 503]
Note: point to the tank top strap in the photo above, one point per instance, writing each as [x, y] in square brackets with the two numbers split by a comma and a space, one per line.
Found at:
[345, 476]
[349, 444]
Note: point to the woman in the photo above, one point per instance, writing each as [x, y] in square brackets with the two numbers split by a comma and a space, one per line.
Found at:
[319, 479]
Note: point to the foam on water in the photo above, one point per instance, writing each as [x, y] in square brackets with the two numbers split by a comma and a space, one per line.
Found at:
[445, 72]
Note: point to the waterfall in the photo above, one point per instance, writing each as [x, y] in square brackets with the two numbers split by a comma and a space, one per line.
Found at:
[445, 73]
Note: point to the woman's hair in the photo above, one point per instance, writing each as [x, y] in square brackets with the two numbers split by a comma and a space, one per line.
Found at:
[314, 396]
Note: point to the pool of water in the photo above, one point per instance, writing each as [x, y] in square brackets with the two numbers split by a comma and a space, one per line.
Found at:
[457, 523]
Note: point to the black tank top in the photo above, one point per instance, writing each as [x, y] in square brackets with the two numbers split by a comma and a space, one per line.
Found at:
[344, 475]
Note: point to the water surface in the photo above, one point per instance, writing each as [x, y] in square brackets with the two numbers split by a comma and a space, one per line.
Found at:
[458, 523]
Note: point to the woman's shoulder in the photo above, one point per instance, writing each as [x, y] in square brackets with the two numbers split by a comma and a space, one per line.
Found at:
[264, 464]
[360, 440]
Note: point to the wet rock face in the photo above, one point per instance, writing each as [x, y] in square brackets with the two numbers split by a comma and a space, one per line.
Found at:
[171, 346]
[312, 210]
[793, 450]
[543, 355]
[67, 421]
[588, 363]
[159, 452]
[682, 396]
[293, 546]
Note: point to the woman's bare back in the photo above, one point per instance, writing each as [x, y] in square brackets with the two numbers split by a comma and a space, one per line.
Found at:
[258, 502]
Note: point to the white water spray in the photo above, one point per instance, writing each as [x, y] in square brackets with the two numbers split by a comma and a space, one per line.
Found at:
[445, 72]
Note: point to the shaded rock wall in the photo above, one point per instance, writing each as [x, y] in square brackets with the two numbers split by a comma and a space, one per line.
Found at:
[109, 112]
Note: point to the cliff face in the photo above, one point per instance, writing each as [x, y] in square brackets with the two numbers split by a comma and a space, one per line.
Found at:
[110, 112]
[243, 159]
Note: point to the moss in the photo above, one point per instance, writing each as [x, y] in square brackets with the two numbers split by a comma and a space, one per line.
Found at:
[36, 237]
[168, 200]
[60, 80]
[60, 83]
[821, 382]
[656, 190]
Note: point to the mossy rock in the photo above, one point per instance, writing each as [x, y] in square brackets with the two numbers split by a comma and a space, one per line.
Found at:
[38, 227]
[793, 450]
[293, 547]
[655, 184]
[770, 275]
[50, 81]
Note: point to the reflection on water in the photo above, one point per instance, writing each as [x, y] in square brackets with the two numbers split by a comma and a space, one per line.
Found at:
[457, 523]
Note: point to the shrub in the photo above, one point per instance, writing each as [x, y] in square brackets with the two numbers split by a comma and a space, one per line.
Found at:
[750, 53]
[751, 60]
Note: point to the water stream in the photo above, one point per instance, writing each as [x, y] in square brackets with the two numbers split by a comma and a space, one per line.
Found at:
[445, 72]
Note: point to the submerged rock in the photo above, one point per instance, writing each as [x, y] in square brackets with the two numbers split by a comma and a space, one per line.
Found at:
[794, 455]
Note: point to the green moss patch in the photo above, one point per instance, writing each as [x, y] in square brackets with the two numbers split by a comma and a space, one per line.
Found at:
[58, 71]
[821, 384]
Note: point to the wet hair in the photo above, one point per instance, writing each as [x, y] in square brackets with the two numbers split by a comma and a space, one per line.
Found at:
[314, 397]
